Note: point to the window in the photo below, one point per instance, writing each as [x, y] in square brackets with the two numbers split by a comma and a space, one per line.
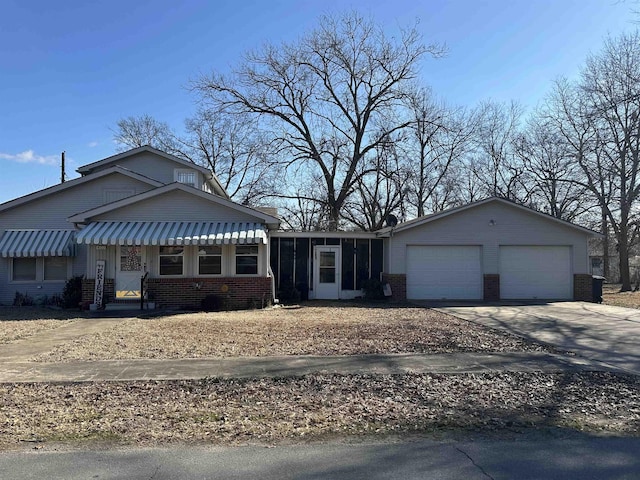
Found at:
[246, 260]
[210, 260]
[188, 177]
[24, 269]
[171, 260]
[55, 268]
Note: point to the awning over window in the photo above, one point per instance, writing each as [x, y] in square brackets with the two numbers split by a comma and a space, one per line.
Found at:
[37, 243]
[171, 233]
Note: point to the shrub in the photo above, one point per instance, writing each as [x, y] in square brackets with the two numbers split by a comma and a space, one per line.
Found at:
[72, 293]
[22, 300]
[211, 303]
[373, 289]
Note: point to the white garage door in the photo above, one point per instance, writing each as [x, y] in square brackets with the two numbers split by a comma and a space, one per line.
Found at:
[444, 272]
[535, 272]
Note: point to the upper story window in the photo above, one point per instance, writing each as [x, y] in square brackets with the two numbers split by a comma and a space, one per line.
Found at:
[188, 177]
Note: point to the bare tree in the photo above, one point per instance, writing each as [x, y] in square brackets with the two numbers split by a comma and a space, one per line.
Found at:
[599, 116]
[493, 163]
[554, 176]
[324, 97]
[438, 137]
[134, 132]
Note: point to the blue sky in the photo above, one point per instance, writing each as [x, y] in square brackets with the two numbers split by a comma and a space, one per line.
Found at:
[70, 69]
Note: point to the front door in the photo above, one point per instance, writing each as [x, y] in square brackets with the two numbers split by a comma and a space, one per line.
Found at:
[129, 271]
[326, 272]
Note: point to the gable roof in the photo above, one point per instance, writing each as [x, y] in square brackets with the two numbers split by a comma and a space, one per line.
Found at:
[84, 217]
[416, 222]
[74, 183]
[213, 181]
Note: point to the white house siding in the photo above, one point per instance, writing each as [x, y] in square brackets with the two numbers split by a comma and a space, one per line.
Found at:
[513, 226]
[51, 212]
[153, 166]
[176, 206]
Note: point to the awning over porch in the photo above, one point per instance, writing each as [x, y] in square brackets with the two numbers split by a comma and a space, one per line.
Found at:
[37, 243]
[172, 233]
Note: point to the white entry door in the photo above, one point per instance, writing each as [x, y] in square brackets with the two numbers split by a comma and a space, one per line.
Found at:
[129, 271]
[326, 273]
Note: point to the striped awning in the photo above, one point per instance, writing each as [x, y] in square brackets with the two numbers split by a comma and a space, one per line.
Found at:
[171, 233]
[37, 243]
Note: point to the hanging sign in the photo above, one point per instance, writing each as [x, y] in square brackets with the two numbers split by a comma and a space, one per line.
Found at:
[99, 290]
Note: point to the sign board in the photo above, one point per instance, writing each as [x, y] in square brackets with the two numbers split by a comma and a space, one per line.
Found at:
[99, 289]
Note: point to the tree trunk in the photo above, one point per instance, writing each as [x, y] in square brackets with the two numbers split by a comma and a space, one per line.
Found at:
[606, 269]
[623, 247]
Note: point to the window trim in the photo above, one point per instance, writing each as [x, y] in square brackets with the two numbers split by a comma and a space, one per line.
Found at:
[235, 260]
[180, 171]
[66, 267]
[182, 256]
[197, 259]
[39, 277]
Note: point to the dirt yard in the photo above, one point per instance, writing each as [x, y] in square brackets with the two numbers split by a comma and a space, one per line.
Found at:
[309, 408]
[306, 330]
[611, 295]
[17, 323]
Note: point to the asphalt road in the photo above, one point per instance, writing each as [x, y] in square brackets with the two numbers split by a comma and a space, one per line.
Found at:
[524, 457]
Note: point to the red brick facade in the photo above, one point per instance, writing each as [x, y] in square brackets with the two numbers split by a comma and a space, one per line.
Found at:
[491, 287]
[89, 286]
[582, 287]
[398, 283]
[235, 293]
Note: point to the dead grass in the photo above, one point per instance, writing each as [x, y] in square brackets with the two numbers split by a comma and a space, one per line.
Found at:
[307, 330]
[611, 295]
[23, 322]
[315, 407]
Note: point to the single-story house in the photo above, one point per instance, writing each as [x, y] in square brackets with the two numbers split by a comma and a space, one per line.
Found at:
[144, 224]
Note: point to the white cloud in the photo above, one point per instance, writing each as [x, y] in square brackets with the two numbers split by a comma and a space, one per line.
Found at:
[92, 144]
[28, 156]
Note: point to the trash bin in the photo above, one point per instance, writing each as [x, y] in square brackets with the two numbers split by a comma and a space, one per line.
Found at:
[596, 288]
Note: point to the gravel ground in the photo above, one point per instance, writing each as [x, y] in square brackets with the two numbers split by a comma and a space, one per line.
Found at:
[306, 330]
[18, 323]
[314, 407]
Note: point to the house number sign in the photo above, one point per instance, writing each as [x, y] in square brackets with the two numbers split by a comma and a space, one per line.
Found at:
[99, 290]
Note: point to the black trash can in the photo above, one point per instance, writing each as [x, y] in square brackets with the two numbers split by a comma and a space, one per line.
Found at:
[596, 288]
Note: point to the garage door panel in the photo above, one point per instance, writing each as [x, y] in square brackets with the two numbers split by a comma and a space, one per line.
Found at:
[444, 272]
[535, 272]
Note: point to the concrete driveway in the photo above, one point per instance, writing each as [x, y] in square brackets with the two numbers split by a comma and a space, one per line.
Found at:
[602, 333]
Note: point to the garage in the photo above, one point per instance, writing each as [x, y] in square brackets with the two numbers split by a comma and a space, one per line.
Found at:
[444, 272]
[535, 272]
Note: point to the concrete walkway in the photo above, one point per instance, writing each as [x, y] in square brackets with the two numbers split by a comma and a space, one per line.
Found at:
[16, 363]
[288, 366]
[602, 333]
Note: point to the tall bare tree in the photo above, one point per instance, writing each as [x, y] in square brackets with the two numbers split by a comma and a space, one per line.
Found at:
[599, 115]
[134, 132]
[324, 97]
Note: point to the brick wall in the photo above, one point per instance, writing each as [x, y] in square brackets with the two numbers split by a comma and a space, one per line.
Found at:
[491, 287]
[235, 292]
[398, 282]
[582, 287]
[89, 285]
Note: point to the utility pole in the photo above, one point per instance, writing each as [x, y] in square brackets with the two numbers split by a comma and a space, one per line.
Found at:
[62, 174]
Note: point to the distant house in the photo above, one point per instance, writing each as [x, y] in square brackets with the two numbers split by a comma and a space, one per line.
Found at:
[145, 214]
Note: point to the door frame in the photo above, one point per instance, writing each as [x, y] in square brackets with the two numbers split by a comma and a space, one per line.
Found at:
[324, 292]
[129, 277]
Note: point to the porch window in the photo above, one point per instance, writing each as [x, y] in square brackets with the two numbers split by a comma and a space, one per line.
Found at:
[55, 268]
[210, 260]
[24, 269]
[171, 260]
[246, 260]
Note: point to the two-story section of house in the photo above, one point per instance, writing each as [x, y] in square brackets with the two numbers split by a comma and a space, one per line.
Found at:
[139, 214]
